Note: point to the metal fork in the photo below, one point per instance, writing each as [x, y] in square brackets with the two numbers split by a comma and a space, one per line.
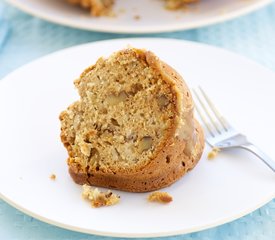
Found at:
[219, 133]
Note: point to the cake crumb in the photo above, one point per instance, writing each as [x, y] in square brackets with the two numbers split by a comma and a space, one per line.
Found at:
[178, 4]
[97, 7]
[162, 197]
[98, 198]
[137, 17]
[53, 177]
[213, 153]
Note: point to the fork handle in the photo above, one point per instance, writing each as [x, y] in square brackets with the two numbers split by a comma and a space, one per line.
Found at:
[260, 154]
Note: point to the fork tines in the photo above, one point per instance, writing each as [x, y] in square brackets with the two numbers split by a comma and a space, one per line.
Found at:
[214, 122]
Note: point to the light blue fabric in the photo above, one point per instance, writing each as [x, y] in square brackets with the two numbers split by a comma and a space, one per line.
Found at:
[4, 29]
[24, 38]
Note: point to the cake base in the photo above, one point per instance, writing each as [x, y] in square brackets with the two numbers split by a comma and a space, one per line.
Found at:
[150, 178]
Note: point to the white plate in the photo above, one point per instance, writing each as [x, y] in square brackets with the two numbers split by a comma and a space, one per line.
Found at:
[215, 192]
[153, 17]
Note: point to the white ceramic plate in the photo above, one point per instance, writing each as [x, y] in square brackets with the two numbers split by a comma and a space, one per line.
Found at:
[215, 192]
[153, 17]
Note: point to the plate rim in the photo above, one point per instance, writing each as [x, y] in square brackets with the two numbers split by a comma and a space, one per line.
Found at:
[141, 30]
[137, 235]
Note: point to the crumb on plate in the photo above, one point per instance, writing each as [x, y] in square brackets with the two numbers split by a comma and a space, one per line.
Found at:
[53, 177]
[98, 198]
[97, 7]
[162, 197]
[178, 4]
[137, 17]
[213, 153]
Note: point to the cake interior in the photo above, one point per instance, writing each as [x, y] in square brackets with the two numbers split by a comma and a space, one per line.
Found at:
[125, 113]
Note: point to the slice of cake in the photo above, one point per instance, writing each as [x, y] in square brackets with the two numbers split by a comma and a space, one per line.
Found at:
[133, 128]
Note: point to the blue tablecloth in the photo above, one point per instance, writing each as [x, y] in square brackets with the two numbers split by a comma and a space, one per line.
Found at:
[24, 38]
